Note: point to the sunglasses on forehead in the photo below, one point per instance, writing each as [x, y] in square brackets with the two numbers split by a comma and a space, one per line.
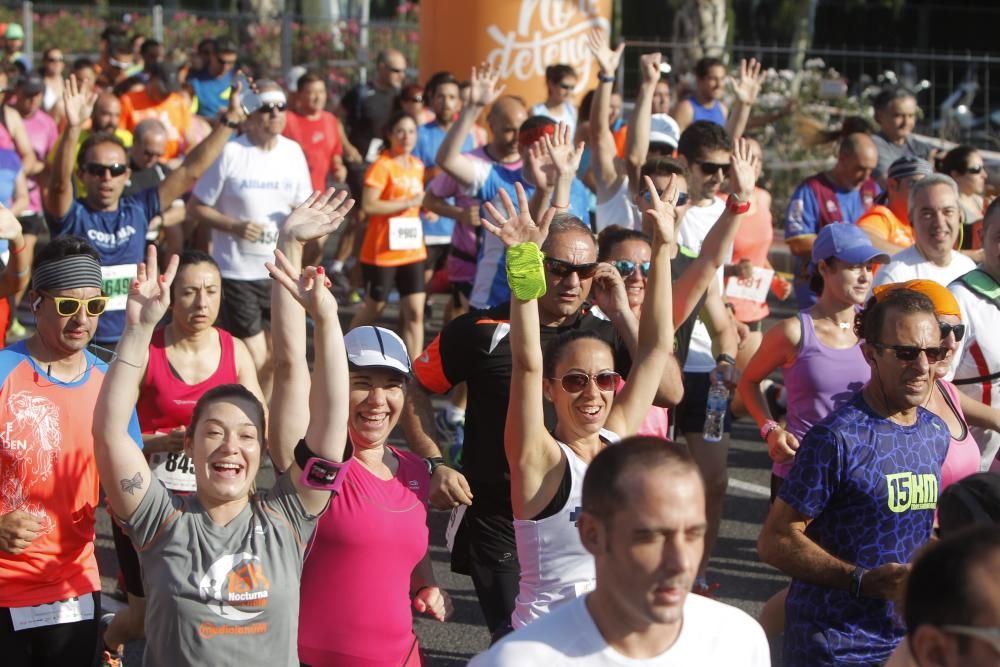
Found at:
[576, 382]
[957, 329]
[68, 306]
[98, 169]
[561, 269]
[627, 267]
[910, 353]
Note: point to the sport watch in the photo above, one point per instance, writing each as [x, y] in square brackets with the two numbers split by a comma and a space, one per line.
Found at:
[317, 472]
[856, 576]
[735, 205]
[433, 463]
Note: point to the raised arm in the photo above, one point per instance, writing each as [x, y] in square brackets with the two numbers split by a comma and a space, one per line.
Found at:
[17, 273]
[317, 216]
[533, 456]
[607, 177]
[656, 325]
[637, 136]
[483, 92]
[78, 104]
[200, 158]
[746, 88]
[123, 470]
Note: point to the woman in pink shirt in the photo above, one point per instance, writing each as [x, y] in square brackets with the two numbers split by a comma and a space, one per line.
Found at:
[367, 563]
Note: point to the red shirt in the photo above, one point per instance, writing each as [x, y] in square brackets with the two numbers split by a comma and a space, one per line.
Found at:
[320, 141]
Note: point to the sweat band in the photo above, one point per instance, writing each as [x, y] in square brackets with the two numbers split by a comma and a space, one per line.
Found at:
[528, 137]
[525, 271]
[68, 273]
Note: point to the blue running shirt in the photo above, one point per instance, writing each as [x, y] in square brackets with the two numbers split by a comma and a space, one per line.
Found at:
[871, 486]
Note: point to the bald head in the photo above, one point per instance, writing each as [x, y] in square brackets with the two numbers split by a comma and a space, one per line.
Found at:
[858, 143]
[505, 119]
[390, 69]
[856, 159]
[107, 111]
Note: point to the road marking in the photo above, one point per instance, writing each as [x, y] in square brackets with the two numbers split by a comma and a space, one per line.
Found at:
[750, 487]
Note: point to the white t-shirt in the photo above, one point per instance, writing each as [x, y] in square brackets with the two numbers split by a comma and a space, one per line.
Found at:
[909, 264]
[250, 183]
[712, 635]
[618, 209]
[697, 223]
[566, 114]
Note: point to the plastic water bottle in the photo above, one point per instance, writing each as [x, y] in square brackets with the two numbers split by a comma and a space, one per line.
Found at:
[715, 412]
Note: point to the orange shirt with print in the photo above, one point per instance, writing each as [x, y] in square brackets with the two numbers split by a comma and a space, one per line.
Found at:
[883, 223]
[753, 241]
[174, 112]
[397, 178]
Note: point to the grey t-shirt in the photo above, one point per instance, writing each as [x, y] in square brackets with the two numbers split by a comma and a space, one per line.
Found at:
[221, 595]
[889, 152]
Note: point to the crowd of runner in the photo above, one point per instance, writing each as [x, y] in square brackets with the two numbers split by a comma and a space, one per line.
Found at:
[180, 239]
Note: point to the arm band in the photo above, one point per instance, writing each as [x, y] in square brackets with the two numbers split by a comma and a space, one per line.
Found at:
[525, 271]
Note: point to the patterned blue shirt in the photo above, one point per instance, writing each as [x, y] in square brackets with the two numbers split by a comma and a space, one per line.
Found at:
[871, 487]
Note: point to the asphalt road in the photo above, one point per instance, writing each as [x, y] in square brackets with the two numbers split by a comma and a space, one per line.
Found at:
[743, 580]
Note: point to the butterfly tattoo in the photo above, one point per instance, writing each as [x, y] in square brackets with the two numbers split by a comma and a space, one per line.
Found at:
[130, 485]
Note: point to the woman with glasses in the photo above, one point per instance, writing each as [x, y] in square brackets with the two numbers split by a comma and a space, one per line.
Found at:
[393, 253]
[965, 165]
[576, 374]
[53, 64]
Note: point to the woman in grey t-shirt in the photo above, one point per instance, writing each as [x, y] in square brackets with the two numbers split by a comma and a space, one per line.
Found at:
[221, 567]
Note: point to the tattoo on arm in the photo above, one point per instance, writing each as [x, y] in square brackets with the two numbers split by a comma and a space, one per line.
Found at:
[130, 485]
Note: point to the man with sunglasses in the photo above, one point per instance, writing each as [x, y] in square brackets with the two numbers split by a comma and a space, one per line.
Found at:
[243, 198]
[211, 85]
[48, 475]
[952, 606]
[860, 500]
[975, 368]
[114, 224]
[842, 194]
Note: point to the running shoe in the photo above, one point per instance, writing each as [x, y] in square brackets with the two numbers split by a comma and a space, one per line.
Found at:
[110, 658]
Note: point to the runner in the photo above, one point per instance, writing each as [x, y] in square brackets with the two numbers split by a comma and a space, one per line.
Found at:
[187, 357]
[965, 165]
[393, 252]
[576, 376]
[704, 103]
[560, 82]
[221, 567]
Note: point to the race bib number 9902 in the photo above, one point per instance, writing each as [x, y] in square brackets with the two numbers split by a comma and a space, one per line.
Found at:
[405, 233]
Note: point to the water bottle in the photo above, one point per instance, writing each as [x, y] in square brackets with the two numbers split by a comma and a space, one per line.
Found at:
[715, 412]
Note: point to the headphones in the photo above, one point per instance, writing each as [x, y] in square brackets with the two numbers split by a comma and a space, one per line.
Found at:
[34, 304]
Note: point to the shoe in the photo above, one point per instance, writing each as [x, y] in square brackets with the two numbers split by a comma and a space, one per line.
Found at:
[110, 658]
[452, 437]
[703, 588]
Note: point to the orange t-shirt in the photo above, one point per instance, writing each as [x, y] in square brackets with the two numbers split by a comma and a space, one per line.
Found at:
[883, 223]
[47, 469]
[396, 181]
[174, 112]
[753, 241]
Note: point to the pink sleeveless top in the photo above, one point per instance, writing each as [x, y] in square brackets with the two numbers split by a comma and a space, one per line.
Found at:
[962, 459]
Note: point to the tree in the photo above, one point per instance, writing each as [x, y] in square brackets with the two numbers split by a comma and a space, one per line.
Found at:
[701, 28]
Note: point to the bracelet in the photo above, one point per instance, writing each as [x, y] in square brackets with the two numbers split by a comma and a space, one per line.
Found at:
[557, 206]
[725, 358]
[21, 274]
[525, 271]
[606, 78]
[18, 251]
[765, 430]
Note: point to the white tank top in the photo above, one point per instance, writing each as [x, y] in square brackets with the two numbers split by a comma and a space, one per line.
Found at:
[555, 568]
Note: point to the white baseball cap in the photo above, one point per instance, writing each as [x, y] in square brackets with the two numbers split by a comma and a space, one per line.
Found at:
[376, 347]
[664, 130]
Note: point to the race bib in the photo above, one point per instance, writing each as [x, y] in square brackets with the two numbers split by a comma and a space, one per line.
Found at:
[174, 469]
[265, 243]
[116, 281]
[753, 288]
[405, 233]
[66, 611]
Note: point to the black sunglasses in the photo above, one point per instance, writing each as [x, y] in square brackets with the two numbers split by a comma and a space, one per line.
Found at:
[567, 86]
[272, 106]
[957, 329]
[627, 267]
[575, 382]
[415, 99]
[561, 269]
[973, 170]
[682, 197]
[911, 352]
[98, 169]
[712, 167]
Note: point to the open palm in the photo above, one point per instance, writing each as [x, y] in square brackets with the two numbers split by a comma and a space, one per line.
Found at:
[517, 227]
[317, 216]
[149, 295]
[309, 287]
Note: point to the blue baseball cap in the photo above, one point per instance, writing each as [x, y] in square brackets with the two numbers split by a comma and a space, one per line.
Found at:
[848, 243]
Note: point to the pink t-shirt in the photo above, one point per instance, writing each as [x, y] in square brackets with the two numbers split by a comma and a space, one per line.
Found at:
[962, 458]
[657, 420]
[42, 135]
[355, 598]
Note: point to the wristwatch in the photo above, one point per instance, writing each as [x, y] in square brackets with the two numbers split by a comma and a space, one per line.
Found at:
[725, 358]
[230, 124]
[856, 576]
[606, 78]
[735, 205]
[433, 463]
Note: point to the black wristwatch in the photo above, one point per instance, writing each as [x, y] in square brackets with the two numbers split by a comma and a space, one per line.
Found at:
[725, 358]
[606, 78]
[856, 576]
[230, 124]
[433, 463]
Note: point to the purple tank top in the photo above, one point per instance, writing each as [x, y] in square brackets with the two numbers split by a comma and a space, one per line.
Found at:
[819, 381]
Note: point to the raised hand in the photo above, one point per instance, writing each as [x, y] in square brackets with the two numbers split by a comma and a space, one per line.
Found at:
[607, 60]
[10, 226]
[308, 287]
[539, 168]
[747, 86]
[517, 227]
[649, 66]
[483, 90]
[78, 101]
[319, 215]
[149, 295]
[564, 156]
[743, 170]
[662, 210]
[234, 112]
[608, 290]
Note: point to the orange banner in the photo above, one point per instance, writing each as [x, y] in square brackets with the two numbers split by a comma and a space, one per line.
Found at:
[520, 37]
